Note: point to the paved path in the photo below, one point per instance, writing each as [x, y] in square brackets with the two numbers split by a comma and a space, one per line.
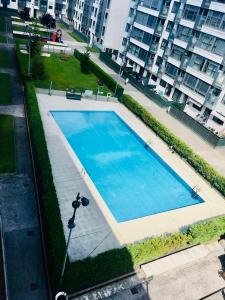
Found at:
[24, 257]
[216, 157]
[194, 277]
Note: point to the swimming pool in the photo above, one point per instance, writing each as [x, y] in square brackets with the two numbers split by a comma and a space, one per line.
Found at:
[131, 178]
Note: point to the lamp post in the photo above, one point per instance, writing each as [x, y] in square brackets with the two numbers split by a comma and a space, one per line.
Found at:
[120, 73]
[80, 200]
[28, 29]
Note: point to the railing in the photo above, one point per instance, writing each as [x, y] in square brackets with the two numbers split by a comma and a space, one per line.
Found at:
[159, 29]
[154, 47]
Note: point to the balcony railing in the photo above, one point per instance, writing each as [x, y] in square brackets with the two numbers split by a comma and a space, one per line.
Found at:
[154, 47]
[164, 11]
[159, 29]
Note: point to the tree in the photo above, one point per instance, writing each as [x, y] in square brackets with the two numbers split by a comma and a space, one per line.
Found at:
[48, 20]
[85, 63]
[25, 14]
[37, 67]
[35, 47]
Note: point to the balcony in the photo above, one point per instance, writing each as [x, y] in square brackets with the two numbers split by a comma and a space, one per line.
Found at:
[159, 30]
[154, 48]
[193, 43]
[164, 12]
[220, 80]
[210, 100]
[185, 63]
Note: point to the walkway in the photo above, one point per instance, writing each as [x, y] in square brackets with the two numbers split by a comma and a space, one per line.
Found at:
[216, 157]
[25, 267]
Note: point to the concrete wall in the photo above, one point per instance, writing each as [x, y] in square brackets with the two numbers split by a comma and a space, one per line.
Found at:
[116, 23]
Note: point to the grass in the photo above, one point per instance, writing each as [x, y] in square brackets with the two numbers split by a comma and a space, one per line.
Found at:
[4, 58]
[5, 88]
[64, 72]
[7, 149]
[76, 37]
[3, 39]
[2, 24]
[34, 31]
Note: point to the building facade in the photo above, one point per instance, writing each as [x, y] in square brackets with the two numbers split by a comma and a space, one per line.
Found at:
[179, 46]
[57, 8]
[102, 21]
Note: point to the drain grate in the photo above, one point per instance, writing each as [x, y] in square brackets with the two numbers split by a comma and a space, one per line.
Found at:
[134, 290]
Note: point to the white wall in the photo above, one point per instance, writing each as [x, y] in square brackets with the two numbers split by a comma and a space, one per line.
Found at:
[116, 23]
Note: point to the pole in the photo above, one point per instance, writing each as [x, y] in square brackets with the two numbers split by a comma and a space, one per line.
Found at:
[29, 60]
[50, 89]
[64, 263]
[118, 79]
[71, 225]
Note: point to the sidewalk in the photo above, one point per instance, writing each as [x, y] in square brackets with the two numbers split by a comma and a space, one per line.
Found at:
[24, 258]
[215, 157]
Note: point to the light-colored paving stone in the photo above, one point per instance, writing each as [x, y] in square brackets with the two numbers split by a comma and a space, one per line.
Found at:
[97, 229]
[13, 110]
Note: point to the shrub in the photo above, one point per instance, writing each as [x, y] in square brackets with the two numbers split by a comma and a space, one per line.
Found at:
[199, 164]
[85, 63]
[37, 67]
[108, 80]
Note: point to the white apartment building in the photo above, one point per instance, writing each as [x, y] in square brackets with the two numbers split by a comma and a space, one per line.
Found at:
[57, 8]
[179, 46]
[102, 21]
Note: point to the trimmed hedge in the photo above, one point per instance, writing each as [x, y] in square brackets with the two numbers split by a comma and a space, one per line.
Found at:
[105, 266]
[199, 164]
[108, 80]
[53, 229]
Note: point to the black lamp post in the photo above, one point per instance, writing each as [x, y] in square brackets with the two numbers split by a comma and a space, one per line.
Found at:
[80, 200]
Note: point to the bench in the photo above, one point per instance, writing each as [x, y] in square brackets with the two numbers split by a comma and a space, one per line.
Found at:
[73, 96]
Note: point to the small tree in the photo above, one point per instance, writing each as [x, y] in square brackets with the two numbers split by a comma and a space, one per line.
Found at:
[35, 47]
[48, 20]
[37, 67]
[85, 63]
[25, 14]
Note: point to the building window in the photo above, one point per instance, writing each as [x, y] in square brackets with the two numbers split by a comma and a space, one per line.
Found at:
[207, 41]
[176, 95]
[127, 27]
[217, 120]
[190, 12]
[153, 4]
[171, 70]
[210, 68]
[169, 26]
[159, 61]
[202, 87]
[162, 83]
[177, 52]
[184, 33]
[131, 12]
[199, 108]
[198, 62]
[190, 81]
[176, 7]
[146, 20]
[215, 19]
[164, 44]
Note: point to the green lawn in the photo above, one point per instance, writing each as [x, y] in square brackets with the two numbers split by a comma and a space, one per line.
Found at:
[7, 150]
[3, 39]
[4, 58]
[64, 71]
[5, 88]
[34, 31]
[76, 37]
[2, 24]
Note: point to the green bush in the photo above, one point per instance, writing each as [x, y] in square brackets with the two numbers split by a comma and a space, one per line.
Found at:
[199, 164]
[108, 80]
[85, 63]
[37, 67]
[53, 229]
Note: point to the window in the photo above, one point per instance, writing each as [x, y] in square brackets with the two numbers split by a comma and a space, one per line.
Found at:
[199, 108]
[206, 41]
[190, 81]
[162, 83]
[159, 61]
[214, 19]
[153, 4]
[137, 34]
[164, 44]
[169, 26]
[190, 12]
[171, 70]
[210, 68]
[50, 7]
[219, 47]
[176, 95]
[184, 33]
[198, 62]
[127, 27]
[131, 12]
[154, 78]
[177, 52]
[176, 7]
[217, 120]
[124, 42]
[202, 87]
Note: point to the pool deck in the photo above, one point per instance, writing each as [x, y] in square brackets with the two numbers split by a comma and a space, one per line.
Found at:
[97, 230]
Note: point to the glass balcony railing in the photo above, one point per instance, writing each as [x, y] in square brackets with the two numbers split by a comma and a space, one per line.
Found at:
[159, 29]
[164, 11]
[154, 47]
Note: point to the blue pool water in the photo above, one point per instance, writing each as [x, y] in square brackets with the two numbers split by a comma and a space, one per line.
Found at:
[131, 178]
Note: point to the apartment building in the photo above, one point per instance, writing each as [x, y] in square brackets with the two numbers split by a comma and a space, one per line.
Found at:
[56, 8]
[102, 21]
[179, 46]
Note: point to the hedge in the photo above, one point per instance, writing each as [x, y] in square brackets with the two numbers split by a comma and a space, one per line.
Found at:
[108, 80]
[107, 265]
[199, 164]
